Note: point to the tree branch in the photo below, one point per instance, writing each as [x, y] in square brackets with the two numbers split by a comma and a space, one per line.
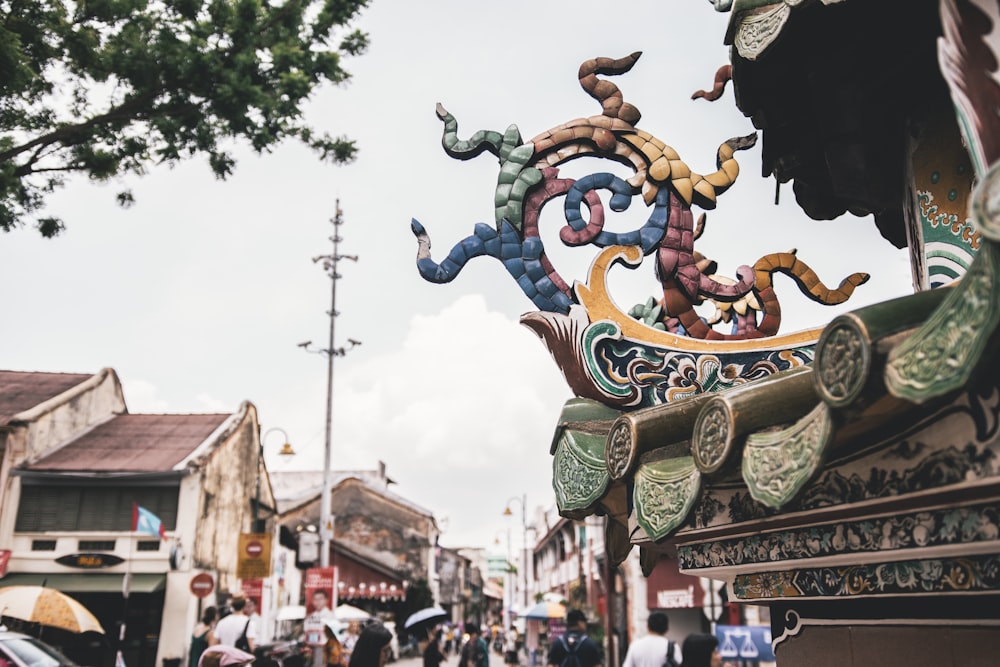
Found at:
[125, 110]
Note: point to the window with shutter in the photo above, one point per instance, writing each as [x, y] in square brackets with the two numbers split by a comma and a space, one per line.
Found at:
[91, 508]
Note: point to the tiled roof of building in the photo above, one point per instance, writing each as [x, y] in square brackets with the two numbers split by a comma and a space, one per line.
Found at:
[133, 443]
[296, 488]
[20, 391]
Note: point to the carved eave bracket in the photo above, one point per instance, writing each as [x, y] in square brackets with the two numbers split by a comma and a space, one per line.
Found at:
[756, 24]
[664, 492]
[778, 464]
[959, 339]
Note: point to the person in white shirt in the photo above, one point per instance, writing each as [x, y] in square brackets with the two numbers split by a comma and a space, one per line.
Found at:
[255, 620]
[654, 650]
[232, 627]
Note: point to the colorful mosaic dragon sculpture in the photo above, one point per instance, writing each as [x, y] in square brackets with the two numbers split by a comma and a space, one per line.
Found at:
[529, 179]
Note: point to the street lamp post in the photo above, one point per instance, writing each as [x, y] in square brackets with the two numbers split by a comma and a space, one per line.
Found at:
[523, 501]
[286, 450]
[330, 267]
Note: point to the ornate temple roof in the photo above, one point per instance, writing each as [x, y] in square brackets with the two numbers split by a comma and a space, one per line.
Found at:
[835, 85]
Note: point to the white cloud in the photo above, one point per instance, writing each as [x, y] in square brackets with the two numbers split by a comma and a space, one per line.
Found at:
[462, 413]
[142, 396]
[211, 404]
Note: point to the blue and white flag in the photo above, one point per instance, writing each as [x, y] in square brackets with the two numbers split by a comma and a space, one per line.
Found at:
[144, 521]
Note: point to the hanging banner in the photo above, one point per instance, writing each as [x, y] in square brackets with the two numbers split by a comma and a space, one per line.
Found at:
[253, 589]
[319, 583]
[254, 556]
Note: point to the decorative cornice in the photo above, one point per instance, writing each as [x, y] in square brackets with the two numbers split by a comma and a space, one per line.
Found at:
[712, 439]
[729, 416]
[579, 476]
[973, 574]
[664, 493]
[929, 529]
[843, 359]
[947, 350]
[637, 433]
[777, 464]
[617, 542]
[756, 31]
[944, 353]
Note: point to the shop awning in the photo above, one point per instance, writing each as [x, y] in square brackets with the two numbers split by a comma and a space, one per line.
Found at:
[87, 582]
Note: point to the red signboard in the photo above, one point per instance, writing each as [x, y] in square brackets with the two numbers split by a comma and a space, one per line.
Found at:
[202, 585]
[253, 589]
[667, 588]
[4, 562]
[319, 589]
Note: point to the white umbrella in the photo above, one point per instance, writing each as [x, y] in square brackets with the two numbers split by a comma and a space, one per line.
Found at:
[346, 612]
[424, 615]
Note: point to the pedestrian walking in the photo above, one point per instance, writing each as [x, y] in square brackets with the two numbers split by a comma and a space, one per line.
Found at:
[333, 652]
[575, 648]
[510, 646]
[236, 630]
[351, 639]
[433, 656]
[449, 640]
[701, 650]
[655, 649]
[475, 652]
[203, 636]
[373, 648]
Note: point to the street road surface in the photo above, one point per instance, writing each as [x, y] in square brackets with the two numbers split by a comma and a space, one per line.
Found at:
[451, 661]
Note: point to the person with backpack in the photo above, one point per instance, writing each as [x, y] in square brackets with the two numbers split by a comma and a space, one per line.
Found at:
[475, 652]
[654, 650]
[575, 648]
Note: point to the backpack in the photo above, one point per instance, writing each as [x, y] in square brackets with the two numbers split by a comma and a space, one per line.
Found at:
[671, 654]
[571, 659]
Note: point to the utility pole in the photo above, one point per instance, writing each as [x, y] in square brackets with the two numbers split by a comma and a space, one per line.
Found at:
[330, 267]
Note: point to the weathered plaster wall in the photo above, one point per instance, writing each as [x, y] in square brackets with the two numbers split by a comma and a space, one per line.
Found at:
[401, 537]
[229, 482]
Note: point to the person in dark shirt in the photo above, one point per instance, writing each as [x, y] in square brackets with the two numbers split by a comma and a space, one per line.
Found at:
[575, 644]
[432, 653]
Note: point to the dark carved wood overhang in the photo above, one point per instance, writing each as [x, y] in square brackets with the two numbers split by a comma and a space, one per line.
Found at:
[835, 86]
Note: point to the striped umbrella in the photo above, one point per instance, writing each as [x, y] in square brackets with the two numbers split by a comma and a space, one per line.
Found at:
[545, 610]
[48, 607]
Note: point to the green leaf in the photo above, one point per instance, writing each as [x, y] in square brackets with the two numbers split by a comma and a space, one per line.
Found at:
[109, 87]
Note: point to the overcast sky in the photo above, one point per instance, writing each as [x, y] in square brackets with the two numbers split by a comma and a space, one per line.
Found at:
[198, 294]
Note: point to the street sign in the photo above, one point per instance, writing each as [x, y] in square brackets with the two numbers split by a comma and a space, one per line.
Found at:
[745, 642]
[202, 585]
[90, 561]
[254, 557]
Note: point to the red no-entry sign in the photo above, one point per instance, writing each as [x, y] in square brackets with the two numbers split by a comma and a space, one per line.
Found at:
[202, 585]
[255, 549]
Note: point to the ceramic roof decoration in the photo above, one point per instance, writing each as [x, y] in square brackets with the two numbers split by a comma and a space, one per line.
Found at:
[855, 461]
[656, 352]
